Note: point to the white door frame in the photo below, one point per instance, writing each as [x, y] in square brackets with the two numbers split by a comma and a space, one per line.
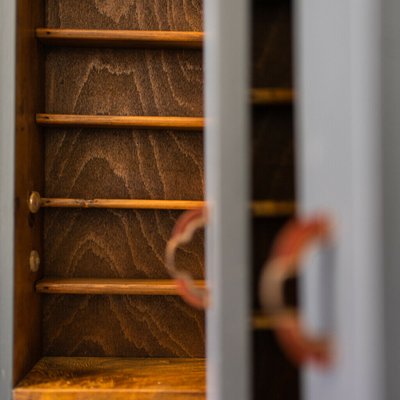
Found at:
[339, 172]
[7, 138]
[391, 192]
[227, 138]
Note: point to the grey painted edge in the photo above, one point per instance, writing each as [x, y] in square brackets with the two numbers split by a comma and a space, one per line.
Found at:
[338, 166]
[227, 139]
[7, 138]
[391, 191]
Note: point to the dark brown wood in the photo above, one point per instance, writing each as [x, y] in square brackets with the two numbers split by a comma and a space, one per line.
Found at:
[29, 174]
[117, 244]
[273, 154]
[274, 376]
[138, 287]
[68, 378]
[119, 38]
[124, 82]
[113, 121]
[114, 244]
[272, 44]
[119, 163]
[174, 15]
[121, 326]
[124, 164]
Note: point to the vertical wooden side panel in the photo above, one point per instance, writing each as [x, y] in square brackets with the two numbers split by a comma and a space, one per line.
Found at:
[29, 173]
[7, 120]
[227, 181]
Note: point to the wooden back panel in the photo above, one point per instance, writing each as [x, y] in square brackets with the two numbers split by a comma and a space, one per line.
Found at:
[174, 15]
[115, 163]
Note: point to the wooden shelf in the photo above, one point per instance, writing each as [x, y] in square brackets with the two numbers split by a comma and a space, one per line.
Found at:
[114, 121]
[119, 38]
[271, 208]
[271, 96]
[122, 203]
[260, 208]
[139, 287]
[101, 378]
[260, 322]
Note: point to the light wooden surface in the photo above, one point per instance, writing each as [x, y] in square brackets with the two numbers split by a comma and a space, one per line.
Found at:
[269, 96]
[262, 322]
[84, 378]
[123, 203]
[269, 208]
[114, 121]
[261, 208]
[109, 286]
[119, 38]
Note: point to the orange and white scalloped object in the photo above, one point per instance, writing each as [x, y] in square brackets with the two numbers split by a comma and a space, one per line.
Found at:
[187, 224]
[291, 244]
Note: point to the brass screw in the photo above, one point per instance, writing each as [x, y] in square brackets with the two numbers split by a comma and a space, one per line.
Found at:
[34, 261]
[34, 202]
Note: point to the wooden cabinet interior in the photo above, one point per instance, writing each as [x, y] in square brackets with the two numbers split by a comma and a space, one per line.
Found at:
[273, 177]
[121, 326]
[109, 106]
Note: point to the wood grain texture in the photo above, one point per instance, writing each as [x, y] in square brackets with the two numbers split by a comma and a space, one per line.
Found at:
[66, 378]
[135, 287]
[124, 164]
[114, 244]
[125, 82]
[174, 15]
[119, 38]
[121, 164]
[121, 326]
[28, 174]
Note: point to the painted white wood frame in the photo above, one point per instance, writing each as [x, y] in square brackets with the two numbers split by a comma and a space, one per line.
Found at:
[227, 138]
[7, 138]
[339, 173]
[391, 192]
